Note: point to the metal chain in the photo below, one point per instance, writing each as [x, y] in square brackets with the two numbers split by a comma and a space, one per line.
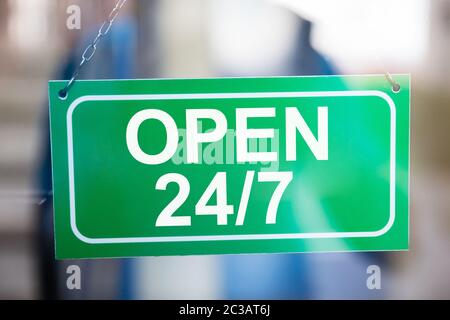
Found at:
[394, 84]
[103, 31]
[89, 51]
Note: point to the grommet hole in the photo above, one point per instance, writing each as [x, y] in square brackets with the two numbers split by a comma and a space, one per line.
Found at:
[62, 94]
[396, 88]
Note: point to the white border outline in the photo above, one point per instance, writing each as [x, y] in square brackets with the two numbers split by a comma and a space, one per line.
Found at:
[299, 94]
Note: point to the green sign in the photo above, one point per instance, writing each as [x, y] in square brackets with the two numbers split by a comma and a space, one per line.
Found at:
[230, 165]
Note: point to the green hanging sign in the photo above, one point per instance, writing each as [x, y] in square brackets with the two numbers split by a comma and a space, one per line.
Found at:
[230, 165]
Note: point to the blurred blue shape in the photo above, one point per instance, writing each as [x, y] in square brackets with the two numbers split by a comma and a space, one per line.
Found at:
[264, 276]
[115, 58]
[300, 276]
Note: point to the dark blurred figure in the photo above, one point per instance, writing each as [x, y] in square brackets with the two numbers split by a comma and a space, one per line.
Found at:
[256, 38]
[115, 58]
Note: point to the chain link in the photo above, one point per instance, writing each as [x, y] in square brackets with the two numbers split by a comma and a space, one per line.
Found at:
[89, 51]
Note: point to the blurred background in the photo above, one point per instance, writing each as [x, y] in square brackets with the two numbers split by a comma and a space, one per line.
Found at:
[213, 38]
